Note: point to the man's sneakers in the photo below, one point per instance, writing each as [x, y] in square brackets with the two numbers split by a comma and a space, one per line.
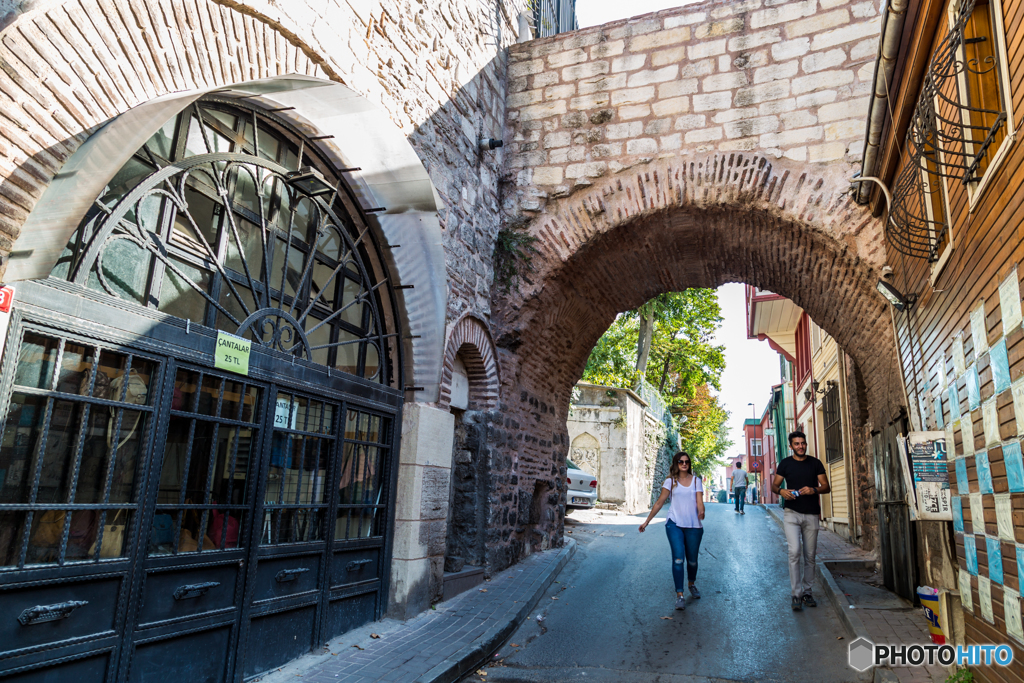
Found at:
[809, 601]
[681, 602]
[743, 512]
[694, 592]
[800, 603]
[797, 604]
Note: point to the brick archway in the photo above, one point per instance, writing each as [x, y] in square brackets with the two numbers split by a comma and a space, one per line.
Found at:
[702, 221]
[471, 340]
[75, 65]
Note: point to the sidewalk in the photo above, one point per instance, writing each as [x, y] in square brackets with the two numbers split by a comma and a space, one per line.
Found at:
[877, 625]
[440, 645]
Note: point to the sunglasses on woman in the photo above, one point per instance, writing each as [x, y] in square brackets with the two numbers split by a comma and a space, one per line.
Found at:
[683, 462]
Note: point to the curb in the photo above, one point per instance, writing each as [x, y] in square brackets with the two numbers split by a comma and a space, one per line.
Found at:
[473, 656]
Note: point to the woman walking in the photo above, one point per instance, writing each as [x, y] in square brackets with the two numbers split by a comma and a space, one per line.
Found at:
[683, 526]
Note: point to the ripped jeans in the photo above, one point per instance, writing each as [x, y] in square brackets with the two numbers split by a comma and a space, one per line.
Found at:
[685, 542]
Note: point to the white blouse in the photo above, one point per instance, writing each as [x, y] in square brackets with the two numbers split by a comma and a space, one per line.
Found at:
[683, 506]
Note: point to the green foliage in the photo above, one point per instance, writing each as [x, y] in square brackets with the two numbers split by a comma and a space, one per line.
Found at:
[961, 676]
[684, 366]
[513, 255]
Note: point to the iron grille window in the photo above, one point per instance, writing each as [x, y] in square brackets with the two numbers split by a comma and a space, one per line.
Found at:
[957, 126]
[833, 425]
[210, 222]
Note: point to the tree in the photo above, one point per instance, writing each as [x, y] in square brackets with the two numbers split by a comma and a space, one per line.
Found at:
[703, 434]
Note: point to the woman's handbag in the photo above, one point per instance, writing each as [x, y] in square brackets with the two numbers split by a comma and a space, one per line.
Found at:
[217, 529]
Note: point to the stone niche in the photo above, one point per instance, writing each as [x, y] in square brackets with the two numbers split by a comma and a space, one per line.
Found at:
[614, 437]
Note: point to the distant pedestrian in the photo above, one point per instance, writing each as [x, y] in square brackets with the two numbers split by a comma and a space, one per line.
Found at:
[739, 487]
[805, 477]
[683, 527]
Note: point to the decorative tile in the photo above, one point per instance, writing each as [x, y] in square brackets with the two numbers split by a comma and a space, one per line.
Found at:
[995, 560]
[954, 403]
[1014, 466]
[977, 514]
[985, 598]
[943, 379]
[973, 387]
[1009, 301]
[938, 412]
[1020, 562]
[1011, 612]
[1004, 516]
[1000, 363]
[950, 443]
[958, 514]
[1018, 405]
[961, 477]
[966, 597]
[979, 330]
[990, 422]
[959, 362]
[971, 554]
[967, 433]
[984, 472]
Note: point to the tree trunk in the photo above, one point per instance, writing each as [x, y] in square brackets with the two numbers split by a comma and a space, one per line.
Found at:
[664, 372]
[643, 345]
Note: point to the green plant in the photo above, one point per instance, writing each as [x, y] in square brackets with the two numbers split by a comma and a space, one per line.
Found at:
[961, 676]
[513, 254]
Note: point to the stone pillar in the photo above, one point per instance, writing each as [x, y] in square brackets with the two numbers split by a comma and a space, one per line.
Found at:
[421, 510]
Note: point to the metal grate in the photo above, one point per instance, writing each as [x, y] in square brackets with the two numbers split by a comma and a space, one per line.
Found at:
[551, 17]
[952, 130]
[833, 425]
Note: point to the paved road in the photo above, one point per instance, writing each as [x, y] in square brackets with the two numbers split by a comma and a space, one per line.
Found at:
[603, 621]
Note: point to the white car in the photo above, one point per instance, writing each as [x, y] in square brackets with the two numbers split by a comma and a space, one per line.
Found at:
[582, 489]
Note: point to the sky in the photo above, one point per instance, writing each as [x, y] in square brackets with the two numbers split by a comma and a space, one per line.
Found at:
[751, 366]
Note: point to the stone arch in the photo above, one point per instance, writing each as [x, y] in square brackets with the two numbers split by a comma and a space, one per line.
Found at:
[471, 340]
[698, 221]
[585, 452]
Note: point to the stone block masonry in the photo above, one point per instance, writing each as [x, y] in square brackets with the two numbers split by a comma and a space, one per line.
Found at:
[665, 83]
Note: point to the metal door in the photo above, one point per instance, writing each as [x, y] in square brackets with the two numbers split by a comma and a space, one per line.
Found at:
[74, 453]
[895, 538]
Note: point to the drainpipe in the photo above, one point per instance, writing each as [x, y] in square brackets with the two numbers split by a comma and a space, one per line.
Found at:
[889, 48]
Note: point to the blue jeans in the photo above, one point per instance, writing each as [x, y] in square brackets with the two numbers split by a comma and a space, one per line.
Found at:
[741, 497]
[685, 544]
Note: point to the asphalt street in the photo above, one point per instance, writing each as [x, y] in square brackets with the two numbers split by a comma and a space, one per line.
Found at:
[610, 616]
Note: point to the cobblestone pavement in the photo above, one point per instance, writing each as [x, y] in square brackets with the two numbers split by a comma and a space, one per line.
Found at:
[441, 644]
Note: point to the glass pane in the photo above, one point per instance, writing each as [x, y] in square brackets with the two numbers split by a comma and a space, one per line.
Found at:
[11, 525]
[21, 438]
[35, 361]
[161, 533]
[82, 537]
[269, 146]
[325, 284]
[175, 465]
[301, 404]
[75, 366]
[205, 215]
[114, 527]
[351, 421]
[59, 452]
[129, 448]
[331, 244]
[371, 369]
[125, 267]
[185, 382]
[140, 381]
[348, 353]
[224, 118]
[357, 483]
[96, 452]
[277, 203]
[328, 424]
[230, 481]
[231, 304]
[232, 401]
[296, 259]
[353, 313]
[243, 192]
[179, 298]
[305, 219]
[108, 382]
[162, 142]
[222, 529]
[209, 395]
[319, 337]
[292, 526]
[199, 465]
[252, 248]
[194, 143]
[355, 523]
[45, 536]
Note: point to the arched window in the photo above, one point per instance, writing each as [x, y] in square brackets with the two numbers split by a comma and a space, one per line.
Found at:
[227, 218]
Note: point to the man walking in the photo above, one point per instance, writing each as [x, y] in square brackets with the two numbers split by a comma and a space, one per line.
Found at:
[805, 477]
[739, 487]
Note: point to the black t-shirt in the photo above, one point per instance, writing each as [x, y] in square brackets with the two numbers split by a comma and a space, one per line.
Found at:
[799, 474]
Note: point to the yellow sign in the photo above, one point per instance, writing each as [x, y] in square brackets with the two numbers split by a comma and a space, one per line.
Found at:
[232, 353]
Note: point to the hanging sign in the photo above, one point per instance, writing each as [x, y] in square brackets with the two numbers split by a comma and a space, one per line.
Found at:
[232, 353]
[6, 299]
[923, 463]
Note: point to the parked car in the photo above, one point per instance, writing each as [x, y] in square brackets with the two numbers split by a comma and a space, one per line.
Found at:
[582, 489]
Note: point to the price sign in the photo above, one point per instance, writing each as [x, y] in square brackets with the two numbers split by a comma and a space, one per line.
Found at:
[232, 353]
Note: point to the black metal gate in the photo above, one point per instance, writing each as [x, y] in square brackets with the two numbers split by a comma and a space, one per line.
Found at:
[165, 520]
[895, 537]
